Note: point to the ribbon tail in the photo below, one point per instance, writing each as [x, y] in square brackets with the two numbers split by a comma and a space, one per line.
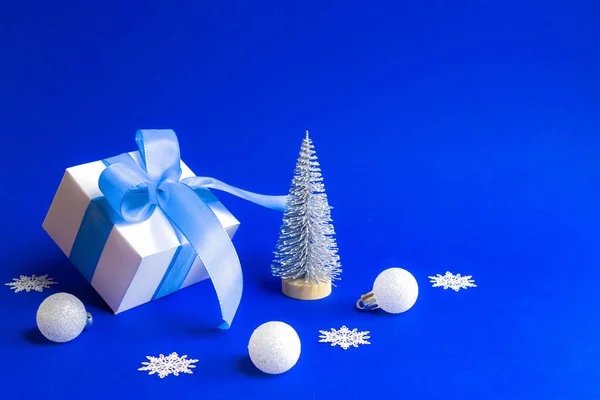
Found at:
[202, 228]
[273, 202]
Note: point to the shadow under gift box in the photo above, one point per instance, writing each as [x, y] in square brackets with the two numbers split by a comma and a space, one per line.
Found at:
[127, 264]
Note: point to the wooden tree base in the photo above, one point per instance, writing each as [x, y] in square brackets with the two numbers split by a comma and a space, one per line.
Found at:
[299, 289]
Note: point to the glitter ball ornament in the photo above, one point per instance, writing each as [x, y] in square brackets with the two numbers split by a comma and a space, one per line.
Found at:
[274, 347]
[62, 317]
[395, 291]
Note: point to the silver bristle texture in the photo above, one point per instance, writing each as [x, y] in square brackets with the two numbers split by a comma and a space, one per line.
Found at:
[307, 247]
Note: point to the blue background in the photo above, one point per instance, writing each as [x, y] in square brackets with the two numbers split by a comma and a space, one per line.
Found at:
[458, 135]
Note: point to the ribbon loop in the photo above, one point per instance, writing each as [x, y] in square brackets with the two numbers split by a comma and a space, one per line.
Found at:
[129, 191]
[159, 150]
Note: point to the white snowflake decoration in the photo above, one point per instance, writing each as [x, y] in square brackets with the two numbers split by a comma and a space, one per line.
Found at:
[29, 283]
[344, 337]
[454, 282]
[171, 364]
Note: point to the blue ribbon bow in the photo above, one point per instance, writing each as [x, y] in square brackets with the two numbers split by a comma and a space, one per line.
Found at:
[135, 191]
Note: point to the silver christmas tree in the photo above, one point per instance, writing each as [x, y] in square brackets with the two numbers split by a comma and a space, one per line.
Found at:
[307, 248]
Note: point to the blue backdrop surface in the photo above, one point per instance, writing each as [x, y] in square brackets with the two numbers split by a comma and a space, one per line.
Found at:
[459, 135]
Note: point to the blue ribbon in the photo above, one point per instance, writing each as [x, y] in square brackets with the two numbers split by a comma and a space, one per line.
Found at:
[134, 192]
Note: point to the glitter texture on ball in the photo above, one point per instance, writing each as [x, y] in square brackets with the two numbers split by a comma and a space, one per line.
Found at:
[274, 347]
[396, 290]
[61, 317]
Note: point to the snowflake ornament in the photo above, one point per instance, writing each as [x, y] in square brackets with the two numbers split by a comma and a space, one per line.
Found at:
[171, 364]
[344, 337]
[454, 282]
[29, 283]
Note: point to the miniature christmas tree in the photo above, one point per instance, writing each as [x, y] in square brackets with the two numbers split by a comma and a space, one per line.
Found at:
[306, 257]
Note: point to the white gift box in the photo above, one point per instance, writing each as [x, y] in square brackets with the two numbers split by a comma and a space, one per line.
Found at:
[125, 263]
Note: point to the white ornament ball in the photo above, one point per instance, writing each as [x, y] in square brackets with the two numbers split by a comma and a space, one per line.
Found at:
[274, 347]
[396, 290]
[61, 317]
